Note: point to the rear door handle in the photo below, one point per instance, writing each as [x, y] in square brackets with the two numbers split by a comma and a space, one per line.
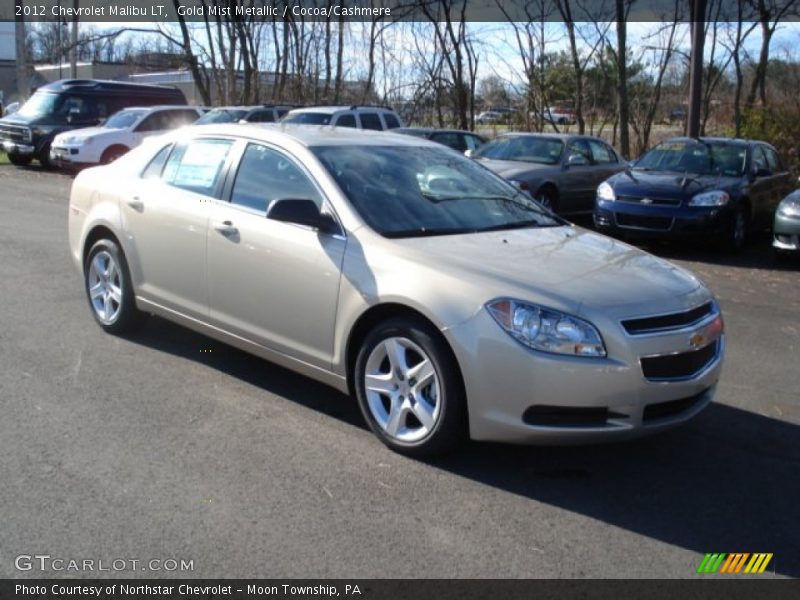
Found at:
[136, 204]
[226, 228]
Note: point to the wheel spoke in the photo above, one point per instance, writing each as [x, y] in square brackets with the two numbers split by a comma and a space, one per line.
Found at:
[108, 308]
[396, 353]
[424, 412]
[382, 383]
[115, 293]
[397, 416]
[422, 373]
[96, 290]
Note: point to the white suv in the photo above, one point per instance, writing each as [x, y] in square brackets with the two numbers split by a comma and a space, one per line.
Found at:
[357, 117]
[121, 132]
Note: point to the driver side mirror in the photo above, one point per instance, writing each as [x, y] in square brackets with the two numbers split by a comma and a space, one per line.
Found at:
[469, 152]
[301, 211]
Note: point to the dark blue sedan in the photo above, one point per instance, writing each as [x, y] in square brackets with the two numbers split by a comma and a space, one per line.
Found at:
[701, 188]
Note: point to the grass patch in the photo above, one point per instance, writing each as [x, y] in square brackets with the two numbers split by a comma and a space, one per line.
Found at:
[4, 159]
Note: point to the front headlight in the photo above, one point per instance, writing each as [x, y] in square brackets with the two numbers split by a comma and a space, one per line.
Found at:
[606, 192]
[715, 198]
[546, 329]
[790, 207]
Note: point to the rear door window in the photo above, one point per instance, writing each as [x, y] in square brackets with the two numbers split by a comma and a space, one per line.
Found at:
[371, 121]
[391, 121]
[347, 120]
[196, 166]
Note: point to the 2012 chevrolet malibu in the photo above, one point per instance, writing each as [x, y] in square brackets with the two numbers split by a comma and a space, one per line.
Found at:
[448, 302]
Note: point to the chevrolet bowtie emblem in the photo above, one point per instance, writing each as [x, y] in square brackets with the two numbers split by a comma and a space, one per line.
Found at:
[646, 201]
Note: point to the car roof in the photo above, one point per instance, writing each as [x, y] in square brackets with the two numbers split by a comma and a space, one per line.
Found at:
[555, 136]
[432, 130]
[333, 109]
[716, 139]
[161, 107]
[312, 135]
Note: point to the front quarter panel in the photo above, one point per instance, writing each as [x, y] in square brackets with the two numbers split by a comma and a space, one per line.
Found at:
[93, 203]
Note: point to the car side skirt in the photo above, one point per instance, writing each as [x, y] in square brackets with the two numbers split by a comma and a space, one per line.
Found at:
[327, 377]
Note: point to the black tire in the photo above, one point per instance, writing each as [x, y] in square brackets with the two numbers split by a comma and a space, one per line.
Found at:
[111, 154]
[737, 232]
[123, 316]
[441, 393]
[44, 157]
[547, 197]
[19, 160]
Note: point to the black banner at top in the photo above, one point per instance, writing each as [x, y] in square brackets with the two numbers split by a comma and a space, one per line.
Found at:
[165, 11]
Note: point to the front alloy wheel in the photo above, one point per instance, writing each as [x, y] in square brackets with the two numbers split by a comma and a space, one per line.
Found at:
[108, 288]
[409, 390]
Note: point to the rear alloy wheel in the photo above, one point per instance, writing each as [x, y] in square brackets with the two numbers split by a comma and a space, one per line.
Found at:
[409, 389]
[19, 160]
[109, 290]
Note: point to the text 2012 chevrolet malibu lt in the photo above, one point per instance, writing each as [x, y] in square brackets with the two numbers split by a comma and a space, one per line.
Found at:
[448, 302]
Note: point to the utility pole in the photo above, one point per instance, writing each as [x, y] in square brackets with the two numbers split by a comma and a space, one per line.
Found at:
[23, 83]
[73, 43]
[698, 8]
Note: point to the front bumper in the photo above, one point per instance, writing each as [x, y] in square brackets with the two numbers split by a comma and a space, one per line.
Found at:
[68, 157]
[661, 221]
[518, 395]
[17, 148]
[786, 233]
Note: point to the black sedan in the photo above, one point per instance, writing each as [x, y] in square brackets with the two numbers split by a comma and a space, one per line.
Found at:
[702, 188]
[560, 171]
[452, 138]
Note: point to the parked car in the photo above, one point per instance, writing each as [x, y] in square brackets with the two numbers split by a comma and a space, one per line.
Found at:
[378, 118]
[560, 171]
[452, 138]
[72, 104]
[560, 116]
[123, 131]
[496, 115]
[449, 302]
[701, 188]
[265, 113]
[786, 228]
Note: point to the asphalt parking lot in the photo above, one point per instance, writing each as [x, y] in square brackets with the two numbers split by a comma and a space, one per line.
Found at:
[168, 445]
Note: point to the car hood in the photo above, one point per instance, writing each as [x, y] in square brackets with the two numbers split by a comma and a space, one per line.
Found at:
[568, 268]
[82, 134]
[509, 169]
[669, 183]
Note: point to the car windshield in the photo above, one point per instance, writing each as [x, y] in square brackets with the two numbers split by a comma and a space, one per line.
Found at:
[524, 148]
[413, 191]
[39, 105]
[221, 115]
[696, 157]
[308, 118]
[123, 119]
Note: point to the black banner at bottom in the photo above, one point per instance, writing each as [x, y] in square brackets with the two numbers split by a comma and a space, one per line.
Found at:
[391, 589]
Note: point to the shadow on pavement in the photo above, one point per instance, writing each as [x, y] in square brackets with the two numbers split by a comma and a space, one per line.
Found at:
[728, 481]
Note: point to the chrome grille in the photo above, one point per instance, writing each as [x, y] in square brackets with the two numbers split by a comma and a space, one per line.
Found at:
[15, 133]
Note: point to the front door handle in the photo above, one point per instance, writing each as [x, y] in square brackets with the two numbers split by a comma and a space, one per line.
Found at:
[226, 228]
[136, 204]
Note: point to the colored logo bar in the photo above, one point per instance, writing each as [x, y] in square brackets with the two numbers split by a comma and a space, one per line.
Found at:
[737, 562]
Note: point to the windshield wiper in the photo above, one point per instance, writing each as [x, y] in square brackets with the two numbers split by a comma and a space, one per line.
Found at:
[428, 232]
[518, 225]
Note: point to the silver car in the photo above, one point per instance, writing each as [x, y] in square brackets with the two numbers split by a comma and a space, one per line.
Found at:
[448, 302]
